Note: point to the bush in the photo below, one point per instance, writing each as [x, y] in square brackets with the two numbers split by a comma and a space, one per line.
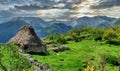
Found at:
[98, 33]
[12, 59]
[112, 60]
[114, 41]
[110, 34]
[61, 40]
[76, 38]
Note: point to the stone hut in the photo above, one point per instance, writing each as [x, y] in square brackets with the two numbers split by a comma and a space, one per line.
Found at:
[28, 41]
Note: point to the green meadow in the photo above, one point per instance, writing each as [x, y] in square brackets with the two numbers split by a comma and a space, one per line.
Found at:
[83, 54]
[91, 49]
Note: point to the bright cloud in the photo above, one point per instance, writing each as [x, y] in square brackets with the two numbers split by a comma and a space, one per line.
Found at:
[61, 9]
[50, 14]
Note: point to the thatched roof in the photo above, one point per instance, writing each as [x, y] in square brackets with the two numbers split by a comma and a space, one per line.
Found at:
[27, 39]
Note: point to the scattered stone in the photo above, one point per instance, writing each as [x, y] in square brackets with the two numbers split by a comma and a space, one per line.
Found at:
[60, 48]
[38, 65]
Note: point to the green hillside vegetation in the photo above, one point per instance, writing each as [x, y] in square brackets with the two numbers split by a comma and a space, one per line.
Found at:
[83, 54]
[90, 48]
[111, 35]
[12, 60]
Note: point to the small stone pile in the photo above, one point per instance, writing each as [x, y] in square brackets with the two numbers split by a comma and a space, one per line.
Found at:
[39, 65]
[60, 48]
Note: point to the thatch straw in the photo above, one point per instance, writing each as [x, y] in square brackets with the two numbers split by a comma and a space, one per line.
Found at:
[27, 40]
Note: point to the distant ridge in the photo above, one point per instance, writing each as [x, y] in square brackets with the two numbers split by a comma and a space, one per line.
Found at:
[42, 27]
[95, 21]
[9, 29]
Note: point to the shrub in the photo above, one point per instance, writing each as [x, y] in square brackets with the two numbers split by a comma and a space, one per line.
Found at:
[74, 34]
[112, 60]
[76, 38]
[98, 33]
[12, 59]
[114, 41]
[110, 34]
[61, 40]
[101, 60]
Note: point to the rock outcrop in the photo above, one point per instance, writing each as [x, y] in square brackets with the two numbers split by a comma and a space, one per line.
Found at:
[60, 48]
[39, 66]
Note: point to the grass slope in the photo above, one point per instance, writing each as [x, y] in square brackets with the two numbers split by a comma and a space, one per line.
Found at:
[12, 60]
[82, 54]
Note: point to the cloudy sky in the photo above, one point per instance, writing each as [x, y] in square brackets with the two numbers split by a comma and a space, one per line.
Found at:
[59, 9]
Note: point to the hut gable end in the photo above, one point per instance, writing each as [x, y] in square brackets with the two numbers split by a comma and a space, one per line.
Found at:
[27, 40]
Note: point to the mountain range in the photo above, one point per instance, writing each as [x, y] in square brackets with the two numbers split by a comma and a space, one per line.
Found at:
[10, 28]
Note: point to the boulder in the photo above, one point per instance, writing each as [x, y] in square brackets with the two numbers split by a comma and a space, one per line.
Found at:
[60, 48]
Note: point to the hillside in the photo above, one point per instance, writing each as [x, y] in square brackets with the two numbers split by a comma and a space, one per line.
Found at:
[90, 48]
[59, 35]
[82, 54]
[11, 59]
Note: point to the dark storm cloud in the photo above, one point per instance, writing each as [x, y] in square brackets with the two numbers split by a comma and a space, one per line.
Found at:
[47, 4]
[31, 7]
[8, 2]
[106, 4]
[59, 9]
